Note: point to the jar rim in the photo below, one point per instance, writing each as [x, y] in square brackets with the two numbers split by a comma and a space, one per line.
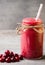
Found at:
[31, 21]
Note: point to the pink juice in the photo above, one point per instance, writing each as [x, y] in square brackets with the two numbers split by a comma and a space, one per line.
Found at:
[31, 40]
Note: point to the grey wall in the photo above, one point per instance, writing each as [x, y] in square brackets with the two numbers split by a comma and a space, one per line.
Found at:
[13, 11]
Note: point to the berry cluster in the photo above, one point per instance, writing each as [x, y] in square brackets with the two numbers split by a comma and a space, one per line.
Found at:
[9, 56]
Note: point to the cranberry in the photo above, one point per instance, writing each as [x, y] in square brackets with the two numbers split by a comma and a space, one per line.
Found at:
[16, 59]
[8, 59]
[21, 57]
[7, 52]
[16, 55]
[1, 55]
[5, 55]
[11, 54]
[12, 59]
[2, 59]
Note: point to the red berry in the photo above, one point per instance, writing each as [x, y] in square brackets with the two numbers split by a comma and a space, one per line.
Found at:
[12, 59]
[1, 55]
[21, 57]
[5, 55]
[16, 55]
[11, 54]
[16, 59]
[7, 52]
[2, 59]
[8, 59]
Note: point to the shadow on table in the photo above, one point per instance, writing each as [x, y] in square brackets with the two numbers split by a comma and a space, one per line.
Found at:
[43, 58]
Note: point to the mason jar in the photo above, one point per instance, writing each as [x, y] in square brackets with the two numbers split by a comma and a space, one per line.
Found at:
[32, 38]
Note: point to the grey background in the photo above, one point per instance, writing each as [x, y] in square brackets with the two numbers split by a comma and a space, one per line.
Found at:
[13, 11]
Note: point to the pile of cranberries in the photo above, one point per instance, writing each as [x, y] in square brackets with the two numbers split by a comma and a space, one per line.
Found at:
[10, 56]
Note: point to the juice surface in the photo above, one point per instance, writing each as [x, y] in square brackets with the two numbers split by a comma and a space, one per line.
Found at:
[31, 41]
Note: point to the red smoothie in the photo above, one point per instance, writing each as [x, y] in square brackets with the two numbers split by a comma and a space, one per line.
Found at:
[31, 39]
